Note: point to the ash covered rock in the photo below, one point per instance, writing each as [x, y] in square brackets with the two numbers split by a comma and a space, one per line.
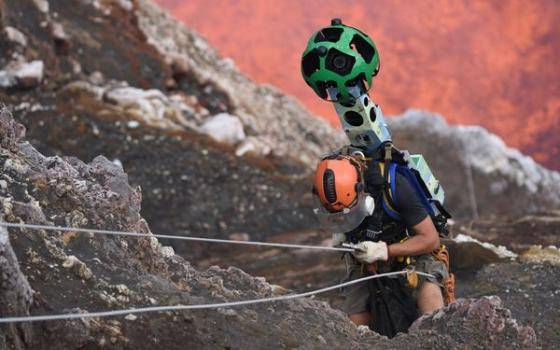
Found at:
[537, 254]
[518, 233]
[495, 328]
[265, 112]
[74, 272]
[22, 74]
[529, 290]
[130, 101]
[14, 35]
[16, 296]
[11, 132]
[468, 252]
[504, 181]
[224, 127]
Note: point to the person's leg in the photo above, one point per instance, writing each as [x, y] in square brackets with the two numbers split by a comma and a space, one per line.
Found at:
[356, 296]
[360, 319]
[429, 297]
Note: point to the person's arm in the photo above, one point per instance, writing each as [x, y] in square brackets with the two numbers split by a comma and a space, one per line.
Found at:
[424, 240]
[415, 216]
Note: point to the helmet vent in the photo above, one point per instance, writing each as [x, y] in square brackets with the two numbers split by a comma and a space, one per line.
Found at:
[353, 118]
[360, 45]
[328, 34]
[329, 186]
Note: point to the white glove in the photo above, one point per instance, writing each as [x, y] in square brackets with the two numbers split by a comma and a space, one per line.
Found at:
[337, 239]
[369, 252]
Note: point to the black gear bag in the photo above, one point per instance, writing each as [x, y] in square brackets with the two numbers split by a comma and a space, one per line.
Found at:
[392, 307]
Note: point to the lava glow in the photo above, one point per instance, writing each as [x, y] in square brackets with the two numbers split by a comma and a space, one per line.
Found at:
[490, 63]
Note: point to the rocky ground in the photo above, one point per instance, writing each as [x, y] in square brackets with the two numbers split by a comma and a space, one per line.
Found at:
[519, 233]
[44, 272]
[527, 282]
[139, 104]
[209, 153]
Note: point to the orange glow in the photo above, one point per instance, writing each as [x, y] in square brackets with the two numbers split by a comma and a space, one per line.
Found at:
[491, 63]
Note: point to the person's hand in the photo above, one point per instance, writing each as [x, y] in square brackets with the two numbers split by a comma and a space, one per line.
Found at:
[369, 252]
[338, 239]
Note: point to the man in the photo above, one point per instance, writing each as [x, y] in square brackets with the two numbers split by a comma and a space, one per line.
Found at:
[344, 186]
[375, 203]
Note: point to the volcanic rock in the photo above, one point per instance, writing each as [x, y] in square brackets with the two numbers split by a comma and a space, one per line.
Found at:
[140, 99]
[124, 272]
[519, 233]
[14, 35]
[480, 174]
[529, 290]
[486, 313]
[224, 128]
[539, 255]
[22, 74]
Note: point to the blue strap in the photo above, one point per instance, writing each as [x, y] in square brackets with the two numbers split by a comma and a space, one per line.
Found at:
[411, 178]
[392, 212]
[393, 181]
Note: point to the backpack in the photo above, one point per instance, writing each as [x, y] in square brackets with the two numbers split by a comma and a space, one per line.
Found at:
[416, 171]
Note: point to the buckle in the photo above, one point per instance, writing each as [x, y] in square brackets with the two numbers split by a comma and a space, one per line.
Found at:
[373, 235]
[411, 276]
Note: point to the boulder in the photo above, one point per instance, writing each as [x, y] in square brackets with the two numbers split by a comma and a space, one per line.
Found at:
[224, 127]
[23, 75]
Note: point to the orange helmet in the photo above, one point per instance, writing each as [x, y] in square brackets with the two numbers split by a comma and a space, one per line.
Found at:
[338, 181]
[339, 188]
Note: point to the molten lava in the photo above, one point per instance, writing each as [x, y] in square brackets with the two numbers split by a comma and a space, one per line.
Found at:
[490, 63]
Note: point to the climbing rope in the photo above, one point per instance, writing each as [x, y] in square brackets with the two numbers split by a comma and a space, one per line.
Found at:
[71, 316]
[177, 237]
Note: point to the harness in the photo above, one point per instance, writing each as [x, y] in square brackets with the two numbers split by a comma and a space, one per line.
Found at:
[385, 223]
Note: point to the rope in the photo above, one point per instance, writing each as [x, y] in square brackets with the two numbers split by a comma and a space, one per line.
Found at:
[178, 237]
[71, 316]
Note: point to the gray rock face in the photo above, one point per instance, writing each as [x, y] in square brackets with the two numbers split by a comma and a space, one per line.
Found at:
[15, 296]
[529, 290]
[486, 313]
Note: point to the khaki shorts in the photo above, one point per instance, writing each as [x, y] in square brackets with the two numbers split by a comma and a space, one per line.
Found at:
[356, 295]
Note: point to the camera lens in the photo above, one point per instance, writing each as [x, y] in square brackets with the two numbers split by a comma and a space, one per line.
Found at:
[339, 62]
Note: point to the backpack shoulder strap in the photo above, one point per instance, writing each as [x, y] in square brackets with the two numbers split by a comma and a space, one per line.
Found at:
[413, 181]
[389, 195]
